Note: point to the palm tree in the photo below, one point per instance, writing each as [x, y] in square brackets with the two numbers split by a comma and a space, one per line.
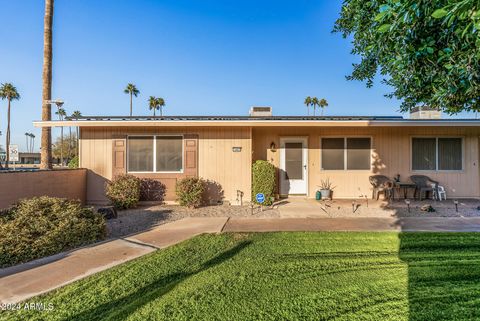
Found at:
[46, 156]
[76, 114]
[161, 104]
[308, 103]
[132, 90]
[27, 140]
[323, 103]
[153, 104]
[8, 92]
[314, 104]
[61, 113]
[32, 143]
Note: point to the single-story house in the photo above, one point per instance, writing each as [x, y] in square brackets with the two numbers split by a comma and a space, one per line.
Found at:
[304, 149]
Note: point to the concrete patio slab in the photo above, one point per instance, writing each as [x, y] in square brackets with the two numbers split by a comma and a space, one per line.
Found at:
[432, 224]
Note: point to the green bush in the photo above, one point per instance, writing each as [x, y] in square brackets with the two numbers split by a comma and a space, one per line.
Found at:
[263, 181]
[124, 191]
[152, 190]
[73, 163]
[190, 191]
[42, 226]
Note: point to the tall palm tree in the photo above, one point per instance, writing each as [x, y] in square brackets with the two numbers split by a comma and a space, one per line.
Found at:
[76, 114]
[46, 156]
[308, 103]
[153, 104]
[61, 114]
[132, 90]
[32, 143]
[314, 104]
[27, 140]
[161, 104]
[323, 103]
[8, 92]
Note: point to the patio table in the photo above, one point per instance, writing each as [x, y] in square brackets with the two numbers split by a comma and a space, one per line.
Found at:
[405, 187]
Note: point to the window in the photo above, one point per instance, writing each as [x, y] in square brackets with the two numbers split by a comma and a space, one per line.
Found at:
[430, 154]
[346, 153]
[155, 154]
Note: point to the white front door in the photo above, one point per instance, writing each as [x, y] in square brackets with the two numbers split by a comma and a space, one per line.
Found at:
[293, 165]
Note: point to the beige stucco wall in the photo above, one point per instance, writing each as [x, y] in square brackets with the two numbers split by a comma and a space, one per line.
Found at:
[216, 160]
[57, 183]
[390, 156]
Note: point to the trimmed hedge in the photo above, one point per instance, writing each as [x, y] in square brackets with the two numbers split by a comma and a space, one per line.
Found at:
[43, 226]
[124, 191]
[152, 190]
[190, 191]
[263, 181]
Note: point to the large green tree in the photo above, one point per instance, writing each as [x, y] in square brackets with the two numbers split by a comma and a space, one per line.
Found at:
[428, 51]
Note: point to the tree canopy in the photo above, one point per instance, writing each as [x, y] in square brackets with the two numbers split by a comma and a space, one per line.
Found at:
[428, 51]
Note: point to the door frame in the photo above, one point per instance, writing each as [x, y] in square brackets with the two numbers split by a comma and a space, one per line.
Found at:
[294, 139]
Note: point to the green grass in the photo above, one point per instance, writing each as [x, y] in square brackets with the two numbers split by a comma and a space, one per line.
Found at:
[277, 276]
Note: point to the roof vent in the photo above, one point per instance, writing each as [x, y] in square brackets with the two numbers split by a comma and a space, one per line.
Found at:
[260, 111]
[425, 112]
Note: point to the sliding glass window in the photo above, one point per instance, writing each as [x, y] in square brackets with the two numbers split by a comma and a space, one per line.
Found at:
[155, 154]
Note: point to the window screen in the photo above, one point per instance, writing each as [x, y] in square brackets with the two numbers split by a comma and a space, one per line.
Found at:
[333, 154]
[449, 154]
[424, 154]
[294, 160]
[358, 153]
[169, 154]
[140, 154]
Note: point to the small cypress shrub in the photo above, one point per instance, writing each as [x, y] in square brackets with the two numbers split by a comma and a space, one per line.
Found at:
[124, 191]
[190, 191]
[263, 180]
[73, 163]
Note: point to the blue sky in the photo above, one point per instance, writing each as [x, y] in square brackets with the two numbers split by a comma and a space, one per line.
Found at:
[204, 57]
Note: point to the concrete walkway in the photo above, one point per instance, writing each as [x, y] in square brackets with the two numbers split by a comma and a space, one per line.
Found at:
[24, 281]
[27, 280]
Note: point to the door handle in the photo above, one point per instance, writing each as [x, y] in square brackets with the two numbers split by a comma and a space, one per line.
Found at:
[305, 166]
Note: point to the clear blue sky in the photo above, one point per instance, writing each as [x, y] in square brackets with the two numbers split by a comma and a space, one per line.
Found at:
[204, 57]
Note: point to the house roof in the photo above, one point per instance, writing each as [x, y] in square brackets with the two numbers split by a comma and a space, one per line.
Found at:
[253, 121]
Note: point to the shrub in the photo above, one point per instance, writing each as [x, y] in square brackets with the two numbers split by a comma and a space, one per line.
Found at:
[123, 191]
[42, 226]
[152, 190]
[189, 191]
[263, 180]
[73, 163]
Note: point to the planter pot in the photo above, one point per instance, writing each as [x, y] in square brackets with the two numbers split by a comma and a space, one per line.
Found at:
[318, 195]
[325, 193]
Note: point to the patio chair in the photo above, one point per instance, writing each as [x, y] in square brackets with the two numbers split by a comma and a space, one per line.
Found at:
[423, 184]
[381, 184]
[439, 192]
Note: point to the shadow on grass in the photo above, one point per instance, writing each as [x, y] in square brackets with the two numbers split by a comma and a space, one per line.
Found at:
[443, 275]
[121, 308]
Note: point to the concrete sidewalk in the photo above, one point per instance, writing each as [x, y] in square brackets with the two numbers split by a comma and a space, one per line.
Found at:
[24, 281]
[426, 224]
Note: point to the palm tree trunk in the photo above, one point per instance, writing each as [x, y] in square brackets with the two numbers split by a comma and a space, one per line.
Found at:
[69, 143]
[7, 143]
[26, 141]
[153, 112]
[131, 104]
[161, 112]
[46, 149]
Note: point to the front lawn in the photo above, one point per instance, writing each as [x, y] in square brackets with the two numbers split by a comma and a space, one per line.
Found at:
[276, 276]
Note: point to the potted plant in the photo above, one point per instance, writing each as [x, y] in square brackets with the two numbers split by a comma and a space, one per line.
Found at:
[326, 187]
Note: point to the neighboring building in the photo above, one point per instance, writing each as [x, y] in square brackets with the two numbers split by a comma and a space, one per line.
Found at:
[29, 158]
[347, 150]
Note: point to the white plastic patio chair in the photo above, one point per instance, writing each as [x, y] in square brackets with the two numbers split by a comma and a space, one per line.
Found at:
[441, 192]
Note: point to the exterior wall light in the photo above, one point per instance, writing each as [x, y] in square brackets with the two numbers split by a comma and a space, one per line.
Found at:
[273, 147]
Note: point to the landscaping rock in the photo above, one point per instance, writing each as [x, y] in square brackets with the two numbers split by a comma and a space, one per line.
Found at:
[108, 212]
